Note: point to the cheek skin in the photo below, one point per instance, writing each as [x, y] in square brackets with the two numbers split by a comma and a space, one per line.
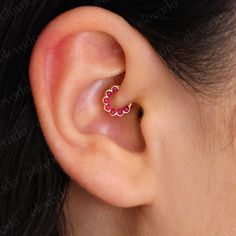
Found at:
[194, 183]
[176, 142]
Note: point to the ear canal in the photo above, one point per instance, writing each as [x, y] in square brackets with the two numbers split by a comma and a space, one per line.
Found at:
[93, 63]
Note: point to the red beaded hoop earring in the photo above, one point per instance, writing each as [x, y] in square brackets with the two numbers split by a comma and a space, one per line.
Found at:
[108, 107]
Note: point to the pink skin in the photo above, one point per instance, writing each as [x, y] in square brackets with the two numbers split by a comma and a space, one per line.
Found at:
[107, 106]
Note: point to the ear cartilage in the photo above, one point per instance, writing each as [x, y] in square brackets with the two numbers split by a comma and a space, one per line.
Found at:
[107, 104]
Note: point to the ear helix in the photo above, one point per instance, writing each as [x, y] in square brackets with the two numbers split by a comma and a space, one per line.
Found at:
[108, 106]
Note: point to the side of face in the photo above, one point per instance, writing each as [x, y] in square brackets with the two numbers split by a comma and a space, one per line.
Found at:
[171, 160]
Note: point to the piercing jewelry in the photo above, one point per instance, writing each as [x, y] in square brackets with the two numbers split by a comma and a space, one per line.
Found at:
[108, 107]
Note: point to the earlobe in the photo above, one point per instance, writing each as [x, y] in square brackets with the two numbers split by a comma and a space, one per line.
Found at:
[72, 66]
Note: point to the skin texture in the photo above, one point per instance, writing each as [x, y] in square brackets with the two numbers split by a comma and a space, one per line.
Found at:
[170, 173]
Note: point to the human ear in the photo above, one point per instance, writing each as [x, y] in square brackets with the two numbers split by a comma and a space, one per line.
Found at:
[75, 60]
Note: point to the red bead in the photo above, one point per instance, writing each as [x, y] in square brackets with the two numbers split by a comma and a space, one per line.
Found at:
[107, 107]
[120, 112]
[109, 93]
[115, 89]
[126, 109]
[106, 100]
[113, 111]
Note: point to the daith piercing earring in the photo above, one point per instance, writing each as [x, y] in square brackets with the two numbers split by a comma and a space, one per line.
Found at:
[107, 104]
